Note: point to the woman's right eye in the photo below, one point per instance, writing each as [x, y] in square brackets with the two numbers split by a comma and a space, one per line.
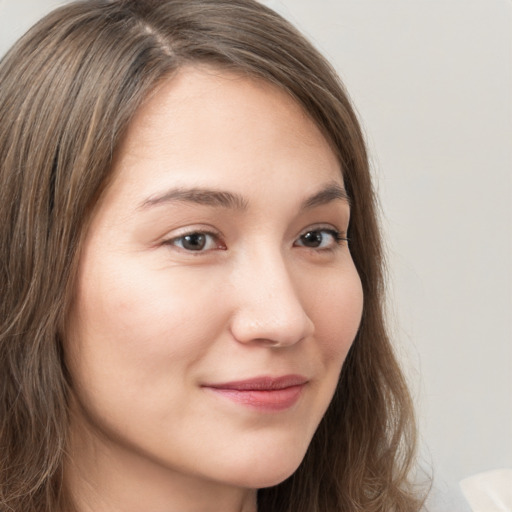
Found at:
[196, 242]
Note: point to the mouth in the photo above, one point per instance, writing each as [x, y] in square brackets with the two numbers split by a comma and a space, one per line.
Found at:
[263, 393]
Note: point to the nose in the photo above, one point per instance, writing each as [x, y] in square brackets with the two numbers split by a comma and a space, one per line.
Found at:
[267, 307]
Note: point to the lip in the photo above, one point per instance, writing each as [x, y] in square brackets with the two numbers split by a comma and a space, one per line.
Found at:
[263, 393]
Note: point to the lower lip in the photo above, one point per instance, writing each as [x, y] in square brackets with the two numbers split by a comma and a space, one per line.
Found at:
[265, 400]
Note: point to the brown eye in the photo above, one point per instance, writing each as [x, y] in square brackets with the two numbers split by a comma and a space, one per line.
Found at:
[196, 242]
[320, 239]
[312, 239]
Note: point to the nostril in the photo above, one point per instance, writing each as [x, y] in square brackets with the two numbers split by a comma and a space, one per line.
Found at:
[271, 343]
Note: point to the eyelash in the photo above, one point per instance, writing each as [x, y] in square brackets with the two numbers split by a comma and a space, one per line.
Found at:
[199, 233]
[337, 236]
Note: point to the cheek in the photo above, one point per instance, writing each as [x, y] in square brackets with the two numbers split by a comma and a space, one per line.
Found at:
[138, 328]
[145, 307]
[336, 311]
[133, 345]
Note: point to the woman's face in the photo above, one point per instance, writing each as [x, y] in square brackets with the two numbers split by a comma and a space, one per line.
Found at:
[216, 297]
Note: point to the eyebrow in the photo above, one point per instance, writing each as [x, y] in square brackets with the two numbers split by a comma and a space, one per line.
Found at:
[331, 192]
[230, 200]
[201, 196]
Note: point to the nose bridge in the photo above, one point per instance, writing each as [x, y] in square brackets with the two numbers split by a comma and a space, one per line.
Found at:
[268, 306]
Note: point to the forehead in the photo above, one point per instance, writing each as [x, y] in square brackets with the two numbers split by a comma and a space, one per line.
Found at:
[209, 124]
[204, 96]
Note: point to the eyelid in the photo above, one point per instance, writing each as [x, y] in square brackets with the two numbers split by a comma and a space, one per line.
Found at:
[170, 239]
[339, 236]
[323, 227]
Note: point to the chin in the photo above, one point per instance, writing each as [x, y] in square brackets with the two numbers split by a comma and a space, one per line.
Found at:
[272, 479]
[267, 471]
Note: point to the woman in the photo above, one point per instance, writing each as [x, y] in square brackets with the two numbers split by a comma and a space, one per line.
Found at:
[191, 271]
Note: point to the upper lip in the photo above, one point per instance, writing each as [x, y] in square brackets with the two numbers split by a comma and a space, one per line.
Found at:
[264, 383]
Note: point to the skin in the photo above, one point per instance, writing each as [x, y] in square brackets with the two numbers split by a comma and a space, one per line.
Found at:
[157, 317]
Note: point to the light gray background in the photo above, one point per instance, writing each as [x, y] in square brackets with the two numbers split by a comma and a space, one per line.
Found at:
[432, 81]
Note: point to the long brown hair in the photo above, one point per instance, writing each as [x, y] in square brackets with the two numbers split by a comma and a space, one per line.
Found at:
[68, 90]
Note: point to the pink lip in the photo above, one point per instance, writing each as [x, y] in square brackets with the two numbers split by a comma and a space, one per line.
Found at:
[263, 393]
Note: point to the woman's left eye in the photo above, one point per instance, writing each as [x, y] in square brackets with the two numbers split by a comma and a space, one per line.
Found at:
[320, 239]
[196, 242]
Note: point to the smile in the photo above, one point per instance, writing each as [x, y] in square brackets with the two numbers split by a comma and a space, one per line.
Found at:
[263, 393]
